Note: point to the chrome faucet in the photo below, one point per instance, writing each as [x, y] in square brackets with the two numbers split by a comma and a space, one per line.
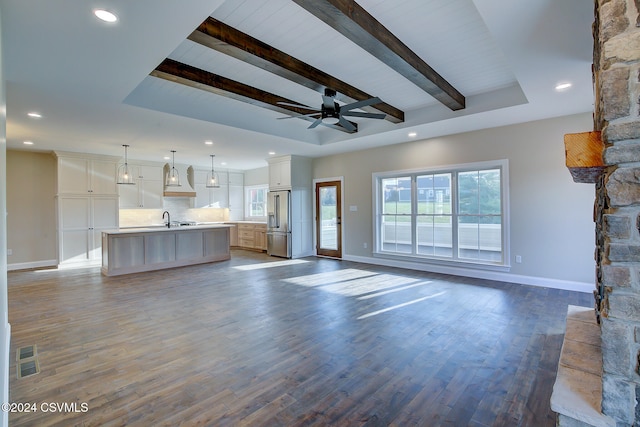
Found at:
[168, 218]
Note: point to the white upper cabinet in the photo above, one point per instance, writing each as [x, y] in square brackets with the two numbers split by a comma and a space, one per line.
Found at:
[147, 193]
[288, 172]
[81, 176]
[217, 197]
[280, 174]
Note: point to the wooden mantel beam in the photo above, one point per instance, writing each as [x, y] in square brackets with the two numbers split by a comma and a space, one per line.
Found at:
[188, 75]
[230, 41]
[583, 155]
[352, 21]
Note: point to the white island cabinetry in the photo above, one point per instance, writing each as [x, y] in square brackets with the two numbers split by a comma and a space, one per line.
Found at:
[144, 249]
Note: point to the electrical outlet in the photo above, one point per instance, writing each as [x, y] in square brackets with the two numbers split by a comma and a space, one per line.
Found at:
[9, 251]
[518, 259]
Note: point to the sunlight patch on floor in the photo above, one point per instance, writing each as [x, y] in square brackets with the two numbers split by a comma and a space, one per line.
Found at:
[367, 285]
[401, 288]
[354, 282]
[404, 304]
[330, 277]
[262, 265]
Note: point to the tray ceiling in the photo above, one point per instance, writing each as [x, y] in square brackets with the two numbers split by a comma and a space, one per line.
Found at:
[503, 64]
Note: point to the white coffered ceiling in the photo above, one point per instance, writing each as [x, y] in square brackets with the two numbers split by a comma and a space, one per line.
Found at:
[91, 82]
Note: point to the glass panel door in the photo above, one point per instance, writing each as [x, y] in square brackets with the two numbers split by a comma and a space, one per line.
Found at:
[328, 219]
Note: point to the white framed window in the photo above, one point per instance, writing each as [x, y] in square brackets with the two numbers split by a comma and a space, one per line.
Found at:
[447, 214]
[256, 199]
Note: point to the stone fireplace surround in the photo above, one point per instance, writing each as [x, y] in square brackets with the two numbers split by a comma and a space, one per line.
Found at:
[616, 74]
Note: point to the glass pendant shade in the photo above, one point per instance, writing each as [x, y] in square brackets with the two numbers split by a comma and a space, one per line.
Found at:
[125, 177]
[212, 177]
[173, 178]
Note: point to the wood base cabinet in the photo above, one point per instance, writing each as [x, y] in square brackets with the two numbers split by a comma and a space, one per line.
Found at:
[252, 236]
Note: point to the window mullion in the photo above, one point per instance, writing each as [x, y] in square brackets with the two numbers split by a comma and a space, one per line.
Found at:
[454, 216]
[414, 212]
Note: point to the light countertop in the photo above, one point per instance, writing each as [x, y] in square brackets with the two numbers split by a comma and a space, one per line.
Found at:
[159, 229]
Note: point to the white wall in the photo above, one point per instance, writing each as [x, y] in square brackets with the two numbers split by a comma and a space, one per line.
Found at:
[5, 328]
[552, 227]
[258, 176]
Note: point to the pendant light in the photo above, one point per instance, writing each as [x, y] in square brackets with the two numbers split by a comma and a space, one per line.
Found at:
[173, 178]
[125, 177]
[212, 177]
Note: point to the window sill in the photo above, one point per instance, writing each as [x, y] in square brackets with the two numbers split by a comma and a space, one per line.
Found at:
[443, 262]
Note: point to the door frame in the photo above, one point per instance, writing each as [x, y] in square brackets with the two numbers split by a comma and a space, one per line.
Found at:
[315, 214]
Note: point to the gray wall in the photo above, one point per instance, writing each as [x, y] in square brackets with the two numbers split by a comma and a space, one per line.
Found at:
[551, 223]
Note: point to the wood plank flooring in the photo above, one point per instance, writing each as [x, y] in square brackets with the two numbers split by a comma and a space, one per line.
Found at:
[261, 341]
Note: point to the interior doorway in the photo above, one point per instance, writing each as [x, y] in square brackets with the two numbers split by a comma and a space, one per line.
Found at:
[329, 219]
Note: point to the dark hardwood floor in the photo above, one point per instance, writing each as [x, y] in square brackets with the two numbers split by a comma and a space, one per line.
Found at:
[260, 341]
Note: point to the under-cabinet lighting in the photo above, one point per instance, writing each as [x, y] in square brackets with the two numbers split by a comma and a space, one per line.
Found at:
[412, 134]
[208, 142]
[28, 142]
[34, 115]
[271, 153]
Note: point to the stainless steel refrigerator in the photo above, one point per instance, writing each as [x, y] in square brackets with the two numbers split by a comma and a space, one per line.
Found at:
[279, 223]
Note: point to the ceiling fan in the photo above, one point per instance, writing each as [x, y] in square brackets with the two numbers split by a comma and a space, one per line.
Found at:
[331, 113]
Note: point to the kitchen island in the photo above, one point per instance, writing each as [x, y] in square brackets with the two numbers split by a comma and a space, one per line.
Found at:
[134, 250]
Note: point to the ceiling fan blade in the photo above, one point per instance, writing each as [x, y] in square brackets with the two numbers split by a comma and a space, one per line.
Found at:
[306, 107]
[360, 104]
[316, 123]
[297, 116]
[367, 115]
[346, 124]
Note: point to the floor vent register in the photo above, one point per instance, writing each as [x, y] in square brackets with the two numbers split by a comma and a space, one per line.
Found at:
[27, 361]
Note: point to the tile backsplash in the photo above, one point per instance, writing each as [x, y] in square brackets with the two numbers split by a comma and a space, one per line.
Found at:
[178, 207]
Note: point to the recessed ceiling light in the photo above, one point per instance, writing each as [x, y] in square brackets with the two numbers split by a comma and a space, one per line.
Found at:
[34, 115]
[167, 158]
[271, 153]
[28, 142]
[412, 134]
[105, 15]
[224, 163]
[208, 142]
[563, 86]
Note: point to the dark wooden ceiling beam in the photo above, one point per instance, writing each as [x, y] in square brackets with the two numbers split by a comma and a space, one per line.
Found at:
[194, 77]
[355, 23]
[230, 41]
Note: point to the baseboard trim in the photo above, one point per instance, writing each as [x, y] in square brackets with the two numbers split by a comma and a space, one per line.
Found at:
[49, 263]
[544, 282]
